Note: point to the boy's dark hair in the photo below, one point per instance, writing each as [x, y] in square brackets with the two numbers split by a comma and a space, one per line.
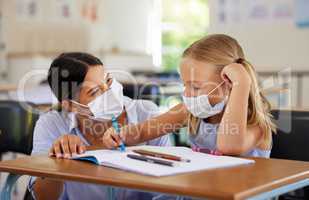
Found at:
[68, 71]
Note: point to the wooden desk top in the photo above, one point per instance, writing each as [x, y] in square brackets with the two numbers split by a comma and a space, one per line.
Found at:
[7, 87]
[230, 183]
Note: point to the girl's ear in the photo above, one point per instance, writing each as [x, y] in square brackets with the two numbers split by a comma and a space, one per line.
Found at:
[225, 77]
[227, 81]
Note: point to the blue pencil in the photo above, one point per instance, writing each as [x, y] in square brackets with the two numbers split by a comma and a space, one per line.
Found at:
[116, 127]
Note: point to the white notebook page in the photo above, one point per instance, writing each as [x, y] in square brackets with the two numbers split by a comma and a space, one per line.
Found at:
[199, 161]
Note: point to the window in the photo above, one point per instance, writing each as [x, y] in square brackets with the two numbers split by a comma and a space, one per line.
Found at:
[183, 22]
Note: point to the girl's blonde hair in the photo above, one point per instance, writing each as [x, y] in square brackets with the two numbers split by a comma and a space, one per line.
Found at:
[221, 50]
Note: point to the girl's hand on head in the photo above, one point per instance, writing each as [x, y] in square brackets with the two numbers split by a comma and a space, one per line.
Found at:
[236, 74]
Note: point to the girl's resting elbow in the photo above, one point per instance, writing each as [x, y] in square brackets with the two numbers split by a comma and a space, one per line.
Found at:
[234, 150]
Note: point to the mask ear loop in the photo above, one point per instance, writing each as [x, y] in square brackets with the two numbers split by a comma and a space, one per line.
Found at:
[80, 110]
[215, 88]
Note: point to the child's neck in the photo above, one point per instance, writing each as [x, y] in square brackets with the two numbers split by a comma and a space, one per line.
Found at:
[216, 119]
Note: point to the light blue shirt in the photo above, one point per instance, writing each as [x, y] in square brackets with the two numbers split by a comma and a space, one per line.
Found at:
[53, 124]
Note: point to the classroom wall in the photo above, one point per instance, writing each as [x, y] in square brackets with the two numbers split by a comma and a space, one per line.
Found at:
[42, 32]
[134, 24]
[271, 38]
[129, 27]
[270, 42]
[3, 52]
[119, 34]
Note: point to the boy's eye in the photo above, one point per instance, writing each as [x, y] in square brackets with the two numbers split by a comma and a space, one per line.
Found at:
[94, 92]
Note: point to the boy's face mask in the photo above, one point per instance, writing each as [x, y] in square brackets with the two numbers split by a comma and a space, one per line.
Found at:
[109, 104]
[200, 106]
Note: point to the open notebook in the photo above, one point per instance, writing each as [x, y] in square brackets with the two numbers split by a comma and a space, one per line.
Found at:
[199, 161]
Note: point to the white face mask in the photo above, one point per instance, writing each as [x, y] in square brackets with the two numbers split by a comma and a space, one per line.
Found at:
[109, 104]
[200, 106]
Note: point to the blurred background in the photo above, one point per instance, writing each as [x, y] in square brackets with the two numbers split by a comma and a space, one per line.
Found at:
[146, 38]
[141, 41]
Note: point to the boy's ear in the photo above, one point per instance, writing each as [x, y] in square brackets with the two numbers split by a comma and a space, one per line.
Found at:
[67, 105]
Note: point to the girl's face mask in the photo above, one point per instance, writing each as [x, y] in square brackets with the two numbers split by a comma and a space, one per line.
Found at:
[200, 106]
[109, 104]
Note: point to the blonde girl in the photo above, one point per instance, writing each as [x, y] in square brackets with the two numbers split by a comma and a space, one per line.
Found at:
[223, 106]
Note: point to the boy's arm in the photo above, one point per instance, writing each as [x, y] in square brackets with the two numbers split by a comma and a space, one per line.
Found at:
[47, 189]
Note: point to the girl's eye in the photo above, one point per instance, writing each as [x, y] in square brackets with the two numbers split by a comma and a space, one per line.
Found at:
[190, 87]
[195, 88]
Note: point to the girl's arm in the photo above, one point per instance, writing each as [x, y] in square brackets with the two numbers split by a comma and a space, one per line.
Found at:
[234, 136]
[134, 134]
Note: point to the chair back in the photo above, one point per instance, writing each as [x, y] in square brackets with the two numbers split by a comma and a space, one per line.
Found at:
[16, 127]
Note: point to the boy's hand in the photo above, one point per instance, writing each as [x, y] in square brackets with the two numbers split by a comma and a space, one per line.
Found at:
[111, 139]
[67, 146]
